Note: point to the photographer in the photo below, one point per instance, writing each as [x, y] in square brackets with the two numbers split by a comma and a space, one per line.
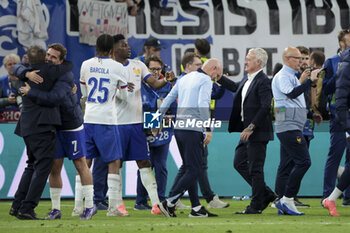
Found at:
[318, 99]
[305, 69]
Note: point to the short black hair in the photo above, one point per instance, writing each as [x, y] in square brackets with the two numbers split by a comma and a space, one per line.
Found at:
[36, 54]
[118, 37]
[318, 57]
[104, 43]
[203, 46]
[278, 66]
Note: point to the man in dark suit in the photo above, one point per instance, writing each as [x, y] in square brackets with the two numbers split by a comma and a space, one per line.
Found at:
[251, 116]
[342, 114]
[37, 126]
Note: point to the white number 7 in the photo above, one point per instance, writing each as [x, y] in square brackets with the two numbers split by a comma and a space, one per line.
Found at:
[74, 143]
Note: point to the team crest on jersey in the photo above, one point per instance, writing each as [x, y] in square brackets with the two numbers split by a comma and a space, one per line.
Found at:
[299, 140]
[137, 71]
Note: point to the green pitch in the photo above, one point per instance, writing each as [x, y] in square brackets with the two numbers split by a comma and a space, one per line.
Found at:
[316, 219]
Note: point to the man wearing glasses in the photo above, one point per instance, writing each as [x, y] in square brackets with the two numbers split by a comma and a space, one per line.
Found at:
[291, 115]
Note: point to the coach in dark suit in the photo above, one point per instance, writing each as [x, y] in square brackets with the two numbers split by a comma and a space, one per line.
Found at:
[251, 116]
[37, 127]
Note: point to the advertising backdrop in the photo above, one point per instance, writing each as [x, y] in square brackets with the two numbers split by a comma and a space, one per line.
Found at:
[224, 180]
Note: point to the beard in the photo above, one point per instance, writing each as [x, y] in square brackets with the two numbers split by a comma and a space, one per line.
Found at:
[303, 68]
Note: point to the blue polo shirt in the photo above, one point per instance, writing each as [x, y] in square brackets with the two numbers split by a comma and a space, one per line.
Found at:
[291, 113]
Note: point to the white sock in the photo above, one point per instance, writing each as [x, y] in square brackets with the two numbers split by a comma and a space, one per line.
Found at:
[335, 194]
[113, 181]
[120, 190]
[79, 197]
[55, 195]
[197, 208]
[88, 193]
[289, 202]
[287, 199]
[149, 182]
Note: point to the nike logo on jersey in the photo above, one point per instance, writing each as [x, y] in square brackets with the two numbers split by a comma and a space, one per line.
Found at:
[75, 153]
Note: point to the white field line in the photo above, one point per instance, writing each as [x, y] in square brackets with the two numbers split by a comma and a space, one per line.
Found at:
[69, 225]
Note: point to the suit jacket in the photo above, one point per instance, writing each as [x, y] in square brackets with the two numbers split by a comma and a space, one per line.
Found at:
[342, 92]
[61, 95]
[256, 106]
[34, 118]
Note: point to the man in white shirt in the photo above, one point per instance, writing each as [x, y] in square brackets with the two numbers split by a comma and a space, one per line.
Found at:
[193, 92]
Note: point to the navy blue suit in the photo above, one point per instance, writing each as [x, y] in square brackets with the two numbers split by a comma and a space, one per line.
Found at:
[342, 107]
[337, 138]
[250, 155]
[37, 125]
[35, 118]
[61, 95]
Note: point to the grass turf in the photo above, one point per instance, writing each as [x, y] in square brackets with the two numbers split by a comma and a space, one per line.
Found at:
[316, 219]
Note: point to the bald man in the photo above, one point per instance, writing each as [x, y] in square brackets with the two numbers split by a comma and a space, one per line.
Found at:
[291, 115]
[193, 92]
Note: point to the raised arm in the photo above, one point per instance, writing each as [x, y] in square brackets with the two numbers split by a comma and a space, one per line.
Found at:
[228, 84]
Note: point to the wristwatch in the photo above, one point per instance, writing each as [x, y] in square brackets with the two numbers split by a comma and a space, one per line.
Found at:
[251, 127]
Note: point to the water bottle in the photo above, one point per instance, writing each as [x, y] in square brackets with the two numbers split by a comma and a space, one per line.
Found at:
[245, 198]
[236, 198]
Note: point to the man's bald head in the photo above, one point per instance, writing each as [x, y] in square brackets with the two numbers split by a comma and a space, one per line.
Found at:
[291, 57]
[213, 67]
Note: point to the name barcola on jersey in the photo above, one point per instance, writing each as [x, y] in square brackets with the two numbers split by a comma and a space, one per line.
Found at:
[99, 70]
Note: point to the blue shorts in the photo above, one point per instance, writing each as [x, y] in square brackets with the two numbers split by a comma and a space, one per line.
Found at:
[103, 141]
[71, 144]
[134, 142]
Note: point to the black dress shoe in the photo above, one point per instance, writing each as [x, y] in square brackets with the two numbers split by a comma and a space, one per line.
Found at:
[250, 210]
[13, 211]
[28, 216]
[268, 199]
[299, 203]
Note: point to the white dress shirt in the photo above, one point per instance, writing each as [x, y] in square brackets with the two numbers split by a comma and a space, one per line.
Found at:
[245, 89]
